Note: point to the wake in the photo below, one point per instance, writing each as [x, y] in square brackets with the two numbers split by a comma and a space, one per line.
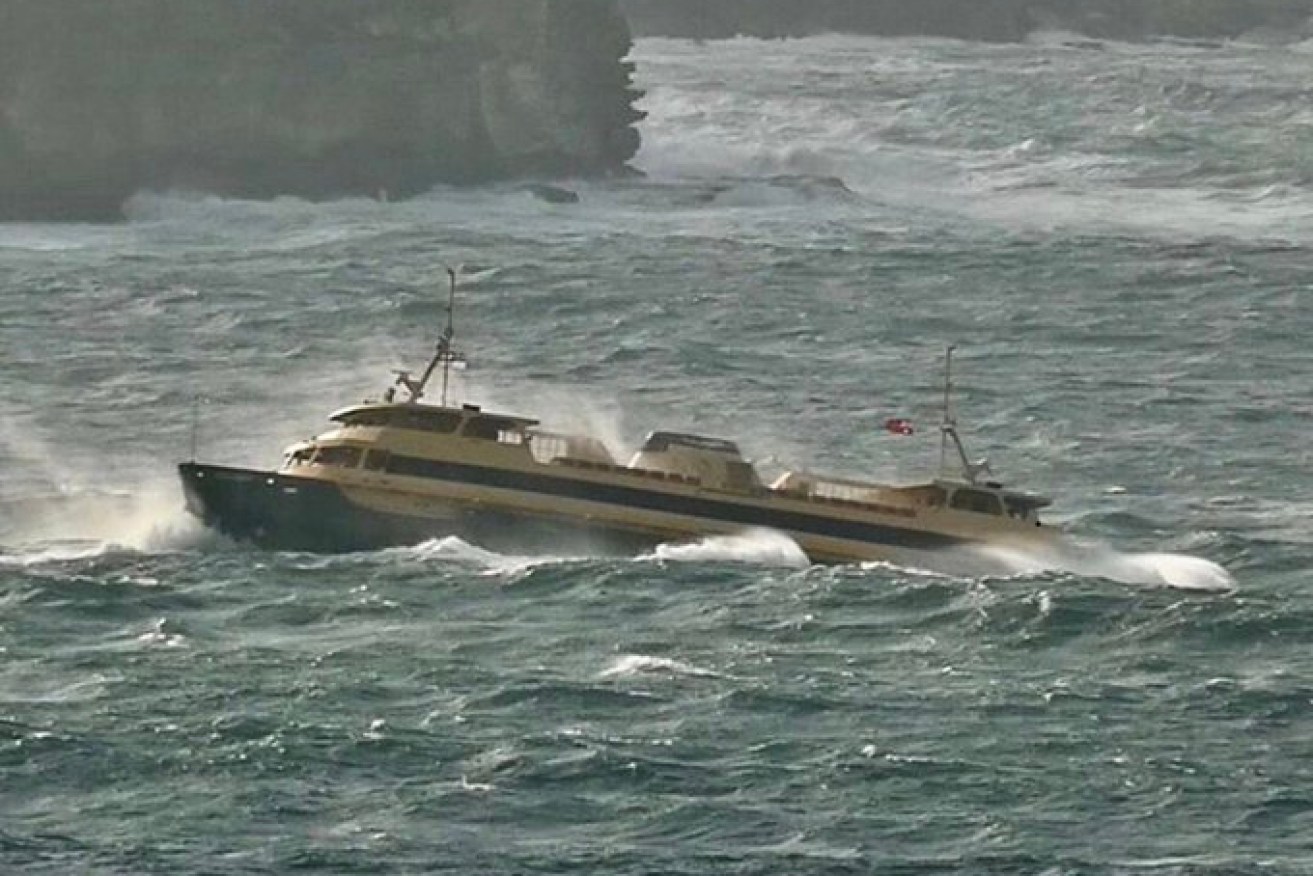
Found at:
[1152, 569]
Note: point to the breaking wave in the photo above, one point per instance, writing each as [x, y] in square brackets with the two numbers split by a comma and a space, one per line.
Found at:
[81, 525]
[1153, 569]
[763, 547]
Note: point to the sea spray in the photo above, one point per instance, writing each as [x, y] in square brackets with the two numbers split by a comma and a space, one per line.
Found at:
[66, 506]
[79, 524]
[1179, 571]
[763, 547]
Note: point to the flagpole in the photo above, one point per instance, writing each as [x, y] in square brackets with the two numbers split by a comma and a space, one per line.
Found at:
[448, 334]
[948, 423]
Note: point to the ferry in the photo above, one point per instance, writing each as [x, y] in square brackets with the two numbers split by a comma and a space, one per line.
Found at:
[400, 471]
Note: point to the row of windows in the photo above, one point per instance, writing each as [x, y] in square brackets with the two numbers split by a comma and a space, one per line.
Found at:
[639, 497]
[976, 501]
[982, 502]
[443, 422]
[439, 422]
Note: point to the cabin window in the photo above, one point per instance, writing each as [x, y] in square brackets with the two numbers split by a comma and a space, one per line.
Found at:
[442, 422]
[510, 436]
[978, 501]
[377, 460]
[1016, 508]
[740, 476]
[300, 457]
[341, 457]
[486, 428]
[548, 447]
[366, 418]
[431, 421]
[413, 467]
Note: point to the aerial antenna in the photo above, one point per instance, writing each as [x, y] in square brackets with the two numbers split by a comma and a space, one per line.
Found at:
[444, 344]
[444, 354]
[948, 429]
[948, 425]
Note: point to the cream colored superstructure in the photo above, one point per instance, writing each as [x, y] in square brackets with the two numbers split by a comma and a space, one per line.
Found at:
[442, 463]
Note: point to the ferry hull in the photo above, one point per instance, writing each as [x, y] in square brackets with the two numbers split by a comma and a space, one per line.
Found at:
[278, 512]
[285, 512]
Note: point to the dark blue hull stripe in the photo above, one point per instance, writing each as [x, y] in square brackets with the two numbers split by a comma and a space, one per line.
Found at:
[741, 514]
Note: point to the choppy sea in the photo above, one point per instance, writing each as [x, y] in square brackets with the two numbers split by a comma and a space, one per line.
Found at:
[1118, 239]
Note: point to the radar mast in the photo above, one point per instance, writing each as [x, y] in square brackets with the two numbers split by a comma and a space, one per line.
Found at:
[445, 355]
[948, 430]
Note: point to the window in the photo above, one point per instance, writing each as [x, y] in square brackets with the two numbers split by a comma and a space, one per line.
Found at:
[342, 457]
[487, 428]
[1015, 509]
[740, 476]
[366, 418]
[401, 418]
[377, 460]
[978, 501]
[429, 421]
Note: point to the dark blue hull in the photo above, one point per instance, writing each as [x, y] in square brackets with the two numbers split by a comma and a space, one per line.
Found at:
[279, 512]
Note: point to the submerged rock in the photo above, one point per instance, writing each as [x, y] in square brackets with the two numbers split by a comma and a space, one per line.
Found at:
[311, 98]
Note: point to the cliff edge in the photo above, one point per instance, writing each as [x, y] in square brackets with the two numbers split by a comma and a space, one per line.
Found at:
[313, 98]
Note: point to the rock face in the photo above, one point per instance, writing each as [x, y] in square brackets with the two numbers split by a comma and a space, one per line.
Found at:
[315, 98]
[994, 20]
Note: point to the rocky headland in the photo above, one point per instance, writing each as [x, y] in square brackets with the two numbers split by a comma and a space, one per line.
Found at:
[311, 98]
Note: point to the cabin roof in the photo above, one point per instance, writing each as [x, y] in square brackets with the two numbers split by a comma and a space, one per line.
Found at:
[466, 411]
[659, 441]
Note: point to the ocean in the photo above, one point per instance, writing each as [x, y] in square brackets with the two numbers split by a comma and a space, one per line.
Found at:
[1117, 238]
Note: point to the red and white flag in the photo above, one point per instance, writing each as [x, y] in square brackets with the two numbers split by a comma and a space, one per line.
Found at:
[899, 426]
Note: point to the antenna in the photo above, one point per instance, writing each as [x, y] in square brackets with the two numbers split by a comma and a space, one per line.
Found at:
[948, 430]
[948, 424]
[444, 354]
[444, 345]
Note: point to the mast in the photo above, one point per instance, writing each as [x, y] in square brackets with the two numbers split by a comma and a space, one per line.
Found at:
[948, 430]
[948, 424]
[444, 345]
[444, 354]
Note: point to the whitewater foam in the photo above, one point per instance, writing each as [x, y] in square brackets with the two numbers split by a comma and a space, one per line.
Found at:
[761, 547]
[1178, 571]
[896, 151]
[453, 549]
[79, 525]
[640, 664]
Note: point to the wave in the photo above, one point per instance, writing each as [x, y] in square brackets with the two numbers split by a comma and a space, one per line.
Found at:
[80, 525]
[1154, 569]
[454, 550]
[918, 126]
[761, 547]
[56, 238]
[639, 664]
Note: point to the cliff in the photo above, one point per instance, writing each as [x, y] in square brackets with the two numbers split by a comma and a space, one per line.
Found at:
[315, 98]
[992, 20]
